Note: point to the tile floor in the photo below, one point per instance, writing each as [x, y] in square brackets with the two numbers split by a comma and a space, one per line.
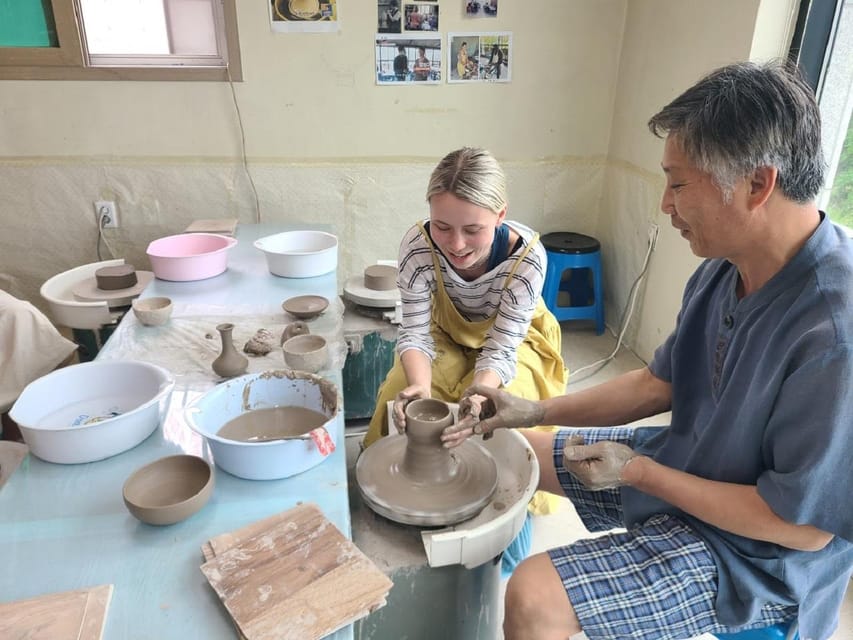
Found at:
[581, 347]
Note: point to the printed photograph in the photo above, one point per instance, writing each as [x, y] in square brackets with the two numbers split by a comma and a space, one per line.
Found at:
[303, 15]
[479, 57]
[421, 17]
[390, 16]
[408, 59]
[481, 9]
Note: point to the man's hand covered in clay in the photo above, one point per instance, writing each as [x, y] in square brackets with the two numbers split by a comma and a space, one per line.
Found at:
[484, 409]
[598, 466]
[398, 415]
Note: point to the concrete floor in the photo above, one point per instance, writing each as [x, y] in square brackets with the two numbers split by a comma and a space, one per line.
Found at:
[582, 347]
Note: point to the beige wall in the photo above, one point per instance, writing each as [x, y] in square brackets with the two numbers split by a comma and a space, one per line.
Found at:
[325, 144]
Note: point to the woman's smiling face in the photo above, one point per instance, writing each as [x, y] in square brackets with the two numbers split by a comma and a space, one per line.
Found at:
[463, 231]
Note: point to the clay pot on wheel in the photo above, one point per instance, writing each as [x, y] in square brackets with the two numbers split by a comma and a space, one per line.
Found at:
[425, 458]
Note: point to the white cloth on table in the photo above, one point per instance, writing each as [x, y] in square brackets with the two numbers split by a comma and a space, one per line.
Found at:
[30, 347]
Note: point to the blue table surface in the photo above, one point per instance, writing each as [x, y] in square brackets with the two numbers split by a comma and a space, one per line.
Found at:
[65, 527]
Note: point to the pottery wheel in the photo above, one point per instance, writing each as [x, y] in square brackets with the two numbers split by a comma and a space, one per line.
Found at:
[387, 489]
[355, 290]
[87, 290]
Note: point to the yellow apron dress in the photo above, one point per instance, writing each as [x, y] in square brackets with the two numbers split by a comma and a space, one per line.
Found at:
[540, 371]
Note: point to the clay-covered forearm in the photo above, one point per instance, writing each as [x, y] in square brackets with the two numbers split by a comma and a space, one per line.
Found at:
[631, 396]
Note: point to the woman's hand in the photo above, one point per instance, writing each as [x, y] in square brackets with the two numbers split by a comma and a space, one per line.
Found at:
[412, 392]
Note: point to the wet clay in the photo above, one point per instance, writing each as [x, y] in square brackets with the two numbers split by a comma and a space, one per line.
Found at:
[273, 423]
[413, 479]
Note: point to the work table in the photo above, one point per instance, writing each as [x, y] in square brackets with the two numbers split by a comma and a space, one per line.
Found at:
[65, 527]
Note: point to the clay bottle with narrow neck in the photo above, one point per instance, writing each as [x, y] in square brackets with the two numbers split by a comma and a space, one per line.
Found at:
[230, 362]
[425, 459]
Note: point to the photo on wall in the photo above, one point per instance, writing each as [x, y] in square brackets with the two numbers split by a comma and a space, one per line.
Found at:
[408, 59]
[479, 57]
[390, 16]
[303, 15]
[481, 8]
[421, 17]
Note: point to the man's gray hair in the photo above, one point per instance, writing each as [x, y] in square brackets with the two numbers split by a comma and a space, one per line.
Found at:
[745, 116]
[472, 175]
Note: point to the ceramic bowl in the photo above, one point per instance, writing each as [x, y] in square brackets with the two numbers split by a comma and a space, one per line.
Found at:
[168, 490]
[152, 312]
[267, 460]
[189, 256]
[90, 411]
[307, 352]
[300, 254]
[305, 307]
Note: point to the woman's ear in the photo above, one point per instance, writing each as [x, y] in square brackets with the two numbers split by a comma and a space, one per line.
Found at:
[501, 216]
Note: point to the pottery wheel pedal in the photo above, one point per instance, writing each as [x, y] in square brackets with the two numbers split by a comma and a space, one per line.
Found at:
[413, 479]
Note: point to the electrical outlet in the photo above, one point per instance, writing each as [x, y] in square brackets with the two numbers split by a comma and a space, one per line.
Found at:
[107, 214]
[653, 234]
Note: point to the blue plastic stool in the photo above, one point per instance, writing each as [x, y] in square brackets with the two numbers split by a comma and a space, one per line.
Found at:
[781, 631]
[581, 255]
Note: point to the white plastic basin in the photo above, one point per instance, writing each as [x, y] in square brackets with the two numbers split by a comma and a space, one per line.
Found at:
[91, 411]
[300, 254]
[267, 460]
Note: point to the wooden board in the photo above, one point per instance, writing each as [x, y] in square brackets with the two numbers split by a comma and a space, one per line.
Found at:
[11, 454]
[224, 226]
[294, 575]
[69, 615]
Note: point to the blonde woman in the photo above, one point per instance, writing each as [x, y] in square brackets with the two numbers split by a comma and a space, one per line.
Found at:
[470, 283]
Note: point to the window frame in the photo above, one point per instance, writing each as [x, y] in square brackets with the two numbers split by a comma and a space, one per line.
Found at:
[69, 60]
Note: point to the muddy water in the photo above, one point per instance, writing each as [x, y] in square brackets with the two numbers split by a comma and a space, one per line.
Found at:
[273, 423]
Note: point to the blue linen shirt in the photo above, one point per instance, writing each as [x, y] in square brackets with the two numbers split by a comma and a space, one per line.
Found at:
[762, 394]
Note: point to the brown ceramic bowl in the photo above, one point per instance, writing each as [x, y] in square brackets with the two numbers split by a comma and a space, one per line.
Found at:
[168, 490]
[152, 312]
[305, 307]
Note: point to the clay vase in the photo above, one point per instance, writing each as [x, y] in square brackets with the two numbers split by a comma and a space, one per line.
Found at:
[425, 459]
[230, 362]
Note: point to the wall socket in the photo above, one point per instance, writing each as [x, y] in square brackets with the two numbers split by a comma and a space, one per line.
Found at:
[106, 214]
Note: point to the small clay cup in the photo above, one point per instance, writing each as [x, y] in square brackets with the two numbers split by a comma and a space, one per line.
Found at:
[152, 312]
[307, 352]
[168, 490]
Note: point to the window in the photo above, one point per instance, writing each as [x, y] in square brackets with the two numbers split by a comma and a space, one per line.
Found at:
[127, 40]
[823, 46]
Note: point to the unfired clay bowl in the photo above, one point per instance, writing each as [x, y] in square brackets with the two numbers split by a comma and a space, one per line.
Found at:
[168, 490]
[307, 352]
[152, 312]
[305, 307]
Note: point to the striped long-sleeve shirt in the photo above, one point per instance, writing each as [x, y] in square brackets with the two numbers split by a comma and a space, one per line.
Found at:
[486, 297]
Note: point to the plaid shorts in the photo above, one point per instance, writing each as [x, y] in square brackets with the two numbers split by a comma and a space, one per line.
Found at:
[657, 580]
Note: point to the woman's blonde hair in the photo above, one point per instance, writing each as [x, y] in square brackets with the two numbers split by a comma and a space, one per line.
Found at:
[472, 175]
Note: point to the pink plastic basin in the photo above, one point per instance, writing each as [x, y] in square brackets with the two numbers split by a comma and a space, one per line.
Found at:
[189, 256]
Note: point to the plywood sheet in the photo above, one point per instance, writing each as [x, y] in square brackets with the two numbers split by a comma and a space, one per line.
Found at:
[294, 576]
[69, 615]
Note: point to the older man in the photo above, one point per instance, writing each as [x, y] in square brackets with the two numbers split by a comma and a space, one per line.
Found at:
[737, 515]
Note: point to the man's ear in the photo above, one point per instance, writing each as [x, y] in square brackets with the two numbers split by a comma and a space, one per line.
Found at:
[762, 182]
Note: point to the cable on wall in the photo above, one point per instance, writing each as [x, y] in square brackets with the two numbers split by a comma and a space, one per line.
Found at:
[598, 365]
[243, 145]
[101, 220]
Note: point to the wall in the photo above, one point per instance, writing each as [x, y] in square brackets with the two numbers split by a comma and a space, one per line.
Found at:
[324, 144]
[667, 46]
